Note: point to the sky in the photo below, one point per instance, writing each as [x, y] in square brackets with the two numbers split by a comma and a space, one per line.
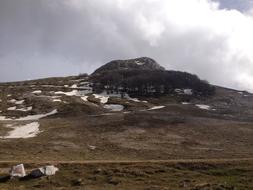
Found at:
[210, 38]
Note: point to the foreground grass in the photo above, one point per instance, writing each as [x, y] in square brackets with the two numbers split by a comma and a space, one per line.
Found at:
[142, 176]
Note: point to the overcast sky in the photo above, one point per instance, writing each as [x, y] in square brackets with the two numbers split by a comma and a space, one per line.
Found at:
[213, 39]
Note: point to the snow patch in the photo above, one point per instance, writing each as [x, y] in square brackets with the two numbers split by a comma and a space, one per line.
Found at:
[36, 117]
[25, 109]
[57, 100]
[72, 93]
[185, 103]
[103, 99]
[12, 101]
[85, 98]
[37, 92]
[74, 86]
[188, 91]
[114, 107]
[24, 131]
[156, 107]
[204, 107]
[139, 63]
[3, 118]
[12, 108]
[19, 102]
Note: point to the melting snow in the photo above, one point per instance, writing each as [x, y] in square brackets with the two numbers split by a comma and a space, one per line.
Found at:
[12, 108]
[103, 99]
[74, 86]
[24, 131]
[57, 100]
[139, 63]
[114, 107]
[13, 101]
[156, 107]
[72, 93]
[84, 98]
[3, 118]
[25, 109]
[37, 117]
[204, 107]
[37, 92]
[188, 91]
[19, 102]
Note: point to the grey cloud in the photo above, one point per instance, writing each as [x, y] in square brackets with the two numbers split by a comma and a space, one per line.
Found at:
[60, 37]
[241, 5]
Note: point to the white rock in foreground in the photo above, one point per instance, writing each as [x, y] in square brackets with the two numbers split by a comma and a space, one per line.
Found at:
[18, 171]
[24, 131]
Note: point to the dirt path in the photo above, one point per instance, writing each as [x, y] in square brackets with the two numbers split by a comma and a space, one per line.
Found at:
[129, 161]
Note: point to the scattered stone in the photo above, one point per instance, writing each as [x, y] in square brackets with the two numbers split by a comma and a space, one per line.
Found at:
[40, 172]
[18, 171]
[92, 147]
[112, 181]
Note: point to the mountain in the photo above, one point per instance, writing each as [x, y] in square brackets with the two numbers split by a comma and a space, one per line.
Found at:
[142, 63]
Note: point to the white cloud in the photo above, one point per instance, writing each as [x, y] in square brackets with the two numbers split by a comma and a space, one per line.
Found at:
[193, 35]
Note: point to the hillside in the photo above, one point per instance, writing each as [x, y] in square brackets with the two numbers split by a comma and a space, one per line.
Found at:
[71, 119]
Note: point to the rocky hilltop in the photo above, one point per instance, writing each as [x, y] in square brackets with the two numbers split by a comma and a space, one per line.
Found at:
[142, 63]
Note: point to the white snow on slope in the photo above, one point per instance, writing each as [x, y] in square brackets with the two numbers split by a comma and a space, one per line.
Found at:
[204, 107]
[114, 107]
[74, 86]
[36, 117]
[156, 107]
[185, 103]
[103, 98]
[72, 93]
[24, 131]
[57, 100]
[85, 98]
[12, 108]
[3, 118]
[29, 117]
[12, 101]
[19, 102]
[25, 109]
[139, 63]
[37, 92]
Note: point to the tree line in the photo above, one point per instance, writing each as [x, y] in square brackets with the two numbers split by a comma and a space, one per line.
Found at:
[150, 82]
